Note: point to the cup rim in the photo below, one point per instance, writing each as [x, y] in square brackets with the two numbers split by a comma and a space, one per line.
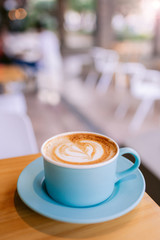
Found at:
[73, 166]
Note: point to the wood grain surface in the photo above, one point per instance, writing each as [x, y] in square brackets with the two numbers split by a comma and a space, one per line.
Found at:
[17, 221]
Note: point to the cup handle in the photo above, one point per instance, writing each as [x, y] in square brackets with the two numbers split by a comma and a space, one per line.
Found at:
[120, 175]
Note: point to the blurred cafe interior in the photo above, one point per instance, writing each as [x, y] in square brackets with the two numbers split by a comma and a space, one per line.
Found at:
[90, 65]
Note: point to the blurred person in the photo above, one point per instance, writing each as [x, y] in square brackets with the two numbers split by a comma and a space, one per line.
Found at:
[50, 49]
[50, 74]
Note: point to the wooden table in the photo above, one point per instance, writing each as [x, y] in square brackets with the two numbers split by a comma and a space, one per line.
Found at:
[17, 221]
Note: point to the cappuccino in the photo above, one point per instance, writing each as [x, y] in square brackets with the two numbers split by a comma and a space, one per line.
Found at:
[80, 148]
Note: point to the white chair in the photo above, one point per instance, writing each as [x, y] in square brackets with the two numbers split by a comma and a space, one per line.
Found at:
[14, 102]
[105, 63]
[16, 135]
[146, 88]
[128, 69]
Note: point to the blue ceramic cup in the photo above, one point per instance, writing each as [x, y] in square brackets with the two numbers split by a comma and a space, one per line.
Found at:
[84, 185]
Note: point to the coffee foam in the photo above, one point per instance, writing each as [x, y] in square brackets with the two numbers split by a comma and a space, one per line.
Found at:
[80, 148]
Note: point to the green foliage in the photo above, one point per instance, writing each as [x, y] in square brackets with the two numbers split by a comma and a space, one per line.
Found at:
[121, 36]
[42, 11]
[44, 5]
[82, 5]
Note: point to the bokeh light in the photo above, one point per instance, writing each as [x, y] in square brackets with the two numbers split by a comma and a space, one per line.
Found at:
[11, 14]
[17, 14]
[20, 13]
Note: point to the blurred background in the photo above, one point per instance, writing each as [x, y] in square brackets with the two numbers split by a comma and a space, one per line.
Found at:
[68, 65]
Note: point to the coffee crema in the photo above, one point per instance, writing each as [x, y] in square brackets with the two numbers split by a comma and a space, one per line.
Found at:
[80, 148]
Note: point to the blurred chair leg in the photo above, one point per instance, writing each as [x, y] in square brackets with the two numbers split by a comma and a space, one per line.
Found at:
[122, 109]
[120, 80]
[142, 111]
[104, 82]
[91, 79]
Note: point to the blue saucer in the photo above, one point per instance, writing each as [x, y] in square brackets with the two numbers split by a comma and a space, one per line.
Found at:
[126, 195]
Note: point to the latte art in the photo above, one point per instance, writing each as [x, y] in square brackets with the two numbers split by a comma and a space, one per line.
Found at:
[80, 148]
[84, 151]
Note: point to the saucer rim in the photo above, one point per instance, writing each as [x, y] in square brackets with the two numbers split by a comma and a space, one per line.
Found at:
[80, 221]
